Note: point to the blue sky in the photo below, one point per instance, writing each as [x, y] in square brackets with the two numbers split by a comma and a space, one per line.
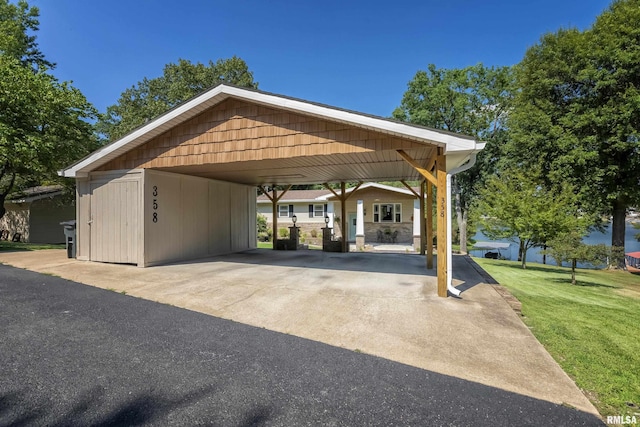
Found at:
[358, 55]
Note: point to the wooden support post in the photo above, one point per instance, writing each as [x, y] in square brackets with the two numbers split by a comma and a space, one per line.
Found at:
[343, 196]
[423, 225]
[274, 221]
[429, 224]
[443, 248]
[343, 220]
[274, 210]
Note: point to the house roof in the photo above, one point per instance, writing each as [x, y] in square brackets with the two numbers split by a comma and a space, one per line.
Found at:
[457, 147]
[322, 196]
[298, 196]
[35, 193]
[379, 186]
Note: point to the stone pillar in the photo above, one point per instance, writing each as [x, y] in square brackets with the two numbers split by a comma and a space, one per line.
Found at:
[360, 225]
[416, 226]
[294, 237]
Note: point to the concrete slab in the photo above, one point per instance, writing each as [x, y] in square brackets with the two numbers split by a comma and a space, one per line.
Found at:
[380, 304]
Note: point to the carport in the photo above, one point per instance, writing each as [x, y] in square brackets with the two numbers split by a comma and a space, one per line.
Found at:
[183, 185]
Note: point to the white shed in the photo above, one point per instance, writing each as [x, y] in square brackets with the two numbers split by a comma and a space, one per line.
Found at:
[147, 217]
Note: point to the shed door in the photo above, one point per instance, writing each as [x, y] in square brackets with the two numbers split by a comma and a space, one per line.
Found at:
[114, 222]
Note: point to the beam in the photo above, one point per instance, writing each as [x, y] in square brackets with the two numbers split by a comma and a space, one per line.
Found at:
[442, 223]
[429, 223]
[423, 224]
[424, 172]
[343, 196]
[274, 210]
[343, 220]
[326, 185]
[274, 221]
[346, 196]
[432, 161]
[415, 193]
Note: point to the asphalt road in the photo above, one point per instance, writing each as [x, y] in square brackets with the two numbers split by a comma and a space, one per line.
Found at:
[74, 355]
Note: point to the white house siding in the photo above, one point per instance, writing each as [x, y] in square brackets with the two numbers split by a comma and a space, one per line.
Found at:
[300, 209]
[195, 217]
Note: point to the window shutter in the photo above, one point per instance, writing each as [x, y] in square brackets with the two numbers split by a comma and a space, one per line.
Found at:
[326, 209]
[310, 211]
[290, 211]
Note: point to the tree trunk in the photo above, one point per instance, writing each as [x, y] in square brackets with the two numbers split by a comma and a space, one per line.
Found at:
[2, 209]
[6, 191]
[544, 253]
[523, 249]
[520, 250]
[574, 263]
[461, 218]
[617, 233]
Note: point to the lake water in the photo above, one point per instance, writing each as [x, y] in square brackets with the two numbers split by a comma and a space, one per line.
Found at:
[534, 255]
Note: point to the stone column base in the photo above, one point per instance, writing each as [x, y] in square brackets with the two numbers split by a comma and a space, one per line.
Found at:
[359, 243]
[416, 243]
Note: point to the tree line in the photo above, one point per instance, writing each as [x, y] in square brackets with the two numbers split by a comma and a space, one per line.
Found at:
[561, 127]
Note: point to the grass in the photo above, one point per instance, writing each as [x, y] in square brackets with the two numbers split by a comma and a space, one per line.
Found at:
[591, 328]
[18, 246]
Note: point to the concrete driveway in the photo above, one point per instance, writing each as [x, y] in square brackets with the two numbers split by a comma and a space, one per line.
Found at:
[379, 304]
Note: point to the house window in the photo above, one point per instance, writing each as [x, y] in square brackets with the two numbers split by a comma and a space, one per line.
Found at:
[318, 210]
[387, 212]
[285, 211]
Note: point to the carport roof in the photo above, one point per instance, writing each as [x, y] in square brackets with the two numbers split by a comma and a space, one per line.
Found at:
[456, 147]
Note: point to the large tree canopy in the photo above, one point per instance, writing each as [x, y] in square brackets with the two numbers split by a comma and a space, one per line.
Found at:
[577, 116]
[179, 82]
[473, 101]
[43, 123]
[17, 24]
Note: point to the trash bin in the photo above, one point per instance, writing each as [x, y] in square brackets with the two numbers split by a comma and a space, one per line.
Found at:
[70, 237]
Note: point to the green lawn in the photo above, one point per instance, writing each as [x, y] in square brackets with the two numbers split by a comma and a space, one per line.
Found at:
[17, 246]
[592, 329]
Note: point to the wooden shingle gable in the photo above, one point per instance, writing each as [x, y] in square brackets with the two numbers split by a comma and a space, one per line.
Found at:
[237, 131]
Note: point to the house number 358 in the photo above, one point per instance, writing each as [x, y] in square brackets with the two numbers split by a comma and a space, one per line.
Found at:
[155, 204]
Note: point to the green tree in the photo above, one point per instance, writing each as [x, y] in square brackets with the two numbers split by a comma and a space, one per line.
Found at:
[568, 247]
[43, 123]
[515, 207]
[17, 24]
[579, 110]
[473, 100]
[151, 97]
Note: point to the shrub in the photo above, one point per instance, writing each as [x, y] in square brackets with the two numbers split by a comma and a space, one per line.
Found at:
[283, 233]
[261, 222]
[314, 233]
